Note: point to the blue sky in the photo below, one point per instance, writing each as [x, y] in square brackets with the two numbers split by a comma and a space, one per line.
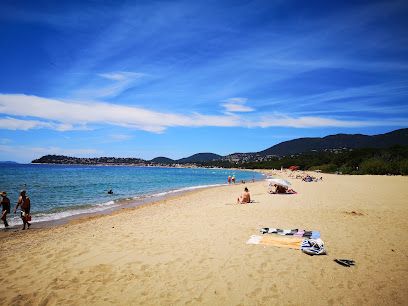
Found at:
[174, 78]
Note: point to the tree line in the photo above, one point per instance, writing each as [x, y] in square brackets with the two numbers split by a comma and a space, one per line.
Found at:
[393, 160]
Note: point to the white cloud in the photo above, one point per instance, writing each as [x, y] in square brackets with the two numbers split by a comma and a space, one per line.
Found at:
[17, 124]
[236, 105]
[238, 100]
[67, 115]
[74, 115]
[9, 123]
[230, 107]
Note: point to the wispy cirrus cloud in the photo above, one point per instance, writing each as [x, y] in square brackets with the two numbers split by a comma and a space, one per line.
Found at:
[371, 99]
[119, 81]
[314, 121]
[236, 105]
[120, 137]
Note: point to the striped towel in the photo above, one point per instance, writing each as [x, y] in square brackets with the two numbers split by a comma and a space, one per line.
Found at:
[290, 232]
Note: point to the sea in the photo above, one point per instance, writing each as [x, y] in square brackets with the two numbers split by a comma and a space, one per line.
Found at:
[63, 191]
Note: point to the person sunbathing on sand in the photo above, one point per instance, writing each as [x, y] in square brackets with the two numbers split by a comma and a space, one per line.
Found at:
[245, 197]
[281, 189]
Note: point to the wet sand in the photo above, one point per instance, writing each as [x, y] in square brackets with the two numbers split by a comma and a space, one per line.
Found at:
[191, 249]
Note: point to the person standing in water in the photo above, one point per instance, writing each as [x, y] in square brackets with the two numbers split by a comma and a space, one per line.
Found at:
[5, 203]
[25, 206]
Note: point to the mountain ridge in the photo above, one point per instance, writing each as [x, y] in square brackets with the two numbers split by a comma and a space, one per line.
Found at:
[338, 141]
[290, 147]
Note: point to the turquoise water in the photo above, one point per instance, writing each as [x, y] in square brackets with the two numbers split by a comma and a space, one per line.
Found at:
[58, 191]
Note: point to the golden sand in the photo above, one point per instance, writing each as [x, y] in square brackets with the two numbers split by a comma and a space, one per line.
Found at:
[191, 249]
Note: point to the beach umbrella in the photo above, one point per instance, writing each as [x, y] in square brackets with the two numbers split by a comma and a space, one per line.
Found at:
[277, 181]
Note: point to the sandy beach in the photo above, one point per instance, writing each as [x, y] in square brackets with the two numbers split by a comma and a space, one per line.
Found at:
[191, 249]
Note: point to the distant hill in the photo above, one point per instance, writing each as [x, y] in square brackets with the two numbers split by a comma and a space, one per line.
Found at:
[351, 141]
[61, 159]
[7, 162]
[286, 148]
[162, 160]
[199, 157]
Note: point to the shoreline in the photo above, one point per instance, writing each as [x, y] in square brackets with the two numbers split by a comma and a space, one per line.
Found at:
[118, 205]
[49, 213]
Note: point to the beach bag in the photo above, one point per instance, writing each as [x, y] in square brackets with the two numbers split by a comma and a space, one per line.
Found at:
[28, 217]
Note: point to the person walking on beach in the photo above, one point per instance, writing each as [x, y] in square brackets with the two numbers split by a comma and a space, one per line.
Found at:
[25, 205]
[5, 209]
[229, 179]
[233, 179]
[245, 197]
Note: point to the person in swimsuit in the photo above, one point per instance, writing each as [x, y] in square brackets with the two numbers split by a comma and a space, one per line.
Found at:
[25, 205]
[281, 189]
[5, 202]
[245, 198]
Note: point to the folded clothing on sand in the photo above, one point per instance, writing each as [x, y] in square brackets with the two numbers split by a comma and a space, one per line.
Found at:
[313, 247]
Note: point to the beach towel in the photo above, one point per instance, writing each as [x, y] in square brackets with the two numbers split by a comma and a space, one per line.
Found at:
[315, 235]
[299, 233]
[291, 232]
[282, 242]
[288, 192]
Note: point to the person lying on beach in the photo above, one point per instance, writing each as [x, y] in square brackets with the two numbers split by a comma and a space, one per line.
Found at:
[281, 190]
[245, 198]
[308, 179]
[25, 205]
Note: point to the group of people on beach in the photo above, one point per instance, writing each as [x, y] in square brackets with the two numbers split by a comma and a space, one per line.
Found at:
[308, 178]
[231, 179]
[24, 204]
[305, 177]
